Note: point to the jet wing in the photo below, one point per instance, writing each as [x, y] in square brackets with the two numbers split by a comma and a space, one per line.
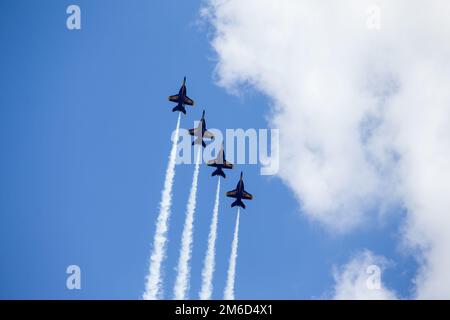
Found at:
[246, 195]
[174, 98]
[232, 194]
[216, 161]
[208, 135]
[188, 101]
[192, 132]
[227, 165]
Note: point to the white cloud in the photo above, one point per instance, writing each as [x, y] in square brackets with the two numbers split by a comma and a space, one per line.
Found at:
[364, 115]
[358, 279]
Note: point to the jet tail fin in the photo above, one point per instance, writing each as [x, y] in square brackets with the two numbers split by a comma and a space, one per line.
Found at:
[219, 172]
[238, 203]
[179, 108]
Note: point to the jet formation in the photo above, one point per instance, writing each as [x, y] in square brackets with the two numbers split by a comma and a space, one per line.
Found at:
[200, 132]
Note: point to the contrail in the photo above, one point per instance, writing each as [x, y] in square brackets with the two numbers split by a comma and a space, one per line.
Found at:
[229, 288]
[153, 286]
[209, 263]
[181, 287]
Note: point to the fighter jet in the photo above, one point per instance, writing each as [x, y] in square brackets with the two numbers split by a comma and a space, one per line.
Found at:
[181, 99]
[200, 132]
[220, 163]
[239, 193]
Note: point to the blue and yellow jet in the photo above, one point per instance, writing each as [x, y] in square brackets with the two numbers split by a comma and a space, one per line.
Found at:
[220, 163]
[181, 99]
[239, 193]
[201, 132]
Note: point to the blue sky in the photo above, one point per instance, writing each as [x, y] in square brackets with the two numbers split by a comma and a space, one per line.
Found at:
[85, 127]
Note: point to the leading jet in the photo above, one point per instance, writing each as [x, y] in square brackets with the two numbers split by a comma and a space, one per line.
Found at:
[200, 132]
[181, 99]
[220, 163]
[239, 193]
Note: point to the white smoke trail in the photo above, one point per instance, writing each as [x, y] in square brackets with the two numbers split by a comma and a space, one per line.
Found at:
[229, 288]
[153, 286]
[182, 281]
[209, 263]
